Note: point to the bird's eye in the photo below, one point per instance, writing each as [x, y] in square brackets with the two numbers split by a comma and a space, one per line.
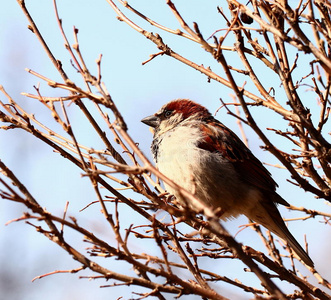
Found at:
[167, 113]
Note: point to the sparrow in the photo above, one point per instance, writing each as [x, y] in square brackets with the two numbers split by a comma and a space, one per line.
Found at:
[206, 158]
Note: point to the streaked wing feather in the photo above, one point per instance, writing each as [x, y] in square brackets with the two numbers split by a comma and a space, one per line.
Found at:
[228, 144]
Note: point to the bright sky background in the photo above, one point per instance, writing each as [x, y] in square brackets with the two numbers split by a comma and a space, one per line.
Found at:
[138, 91]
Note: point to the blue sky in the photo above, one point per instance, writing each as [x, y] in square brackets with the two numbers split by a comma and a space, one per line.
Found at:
[138, 91]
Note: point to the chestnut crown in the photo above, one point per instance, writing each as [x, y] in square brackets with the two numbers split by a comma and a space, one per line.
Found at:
[177, 111]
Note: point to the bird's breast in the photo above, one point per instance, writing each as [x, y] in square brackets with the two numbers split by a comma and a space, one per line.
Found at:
[208, 175]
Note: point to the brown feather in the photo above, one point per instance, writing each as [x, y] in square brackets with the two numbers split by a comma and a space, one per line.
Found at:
[228, 144]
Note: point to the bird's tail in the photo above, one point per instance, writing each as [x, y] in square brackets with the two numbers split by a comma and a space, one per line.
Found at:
[268, 215]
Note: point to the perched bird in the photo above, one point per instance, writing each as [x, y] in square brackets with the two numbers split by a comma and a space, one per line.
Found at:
[206, 158]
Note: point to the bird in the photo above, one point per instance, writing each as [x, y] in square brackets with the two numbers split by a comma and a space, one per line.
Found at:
[207, 159]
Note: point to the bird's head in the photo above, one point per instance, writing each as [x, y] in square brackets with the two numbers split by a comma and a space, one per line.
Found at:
[175, 112]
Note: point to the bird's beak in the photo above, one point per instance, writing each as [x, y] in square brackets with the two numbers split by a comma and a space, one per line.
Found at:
[152, 121]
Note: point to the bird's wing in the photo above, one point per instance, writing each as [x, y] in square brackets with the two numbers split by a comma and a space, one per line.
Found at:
[219, 138]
